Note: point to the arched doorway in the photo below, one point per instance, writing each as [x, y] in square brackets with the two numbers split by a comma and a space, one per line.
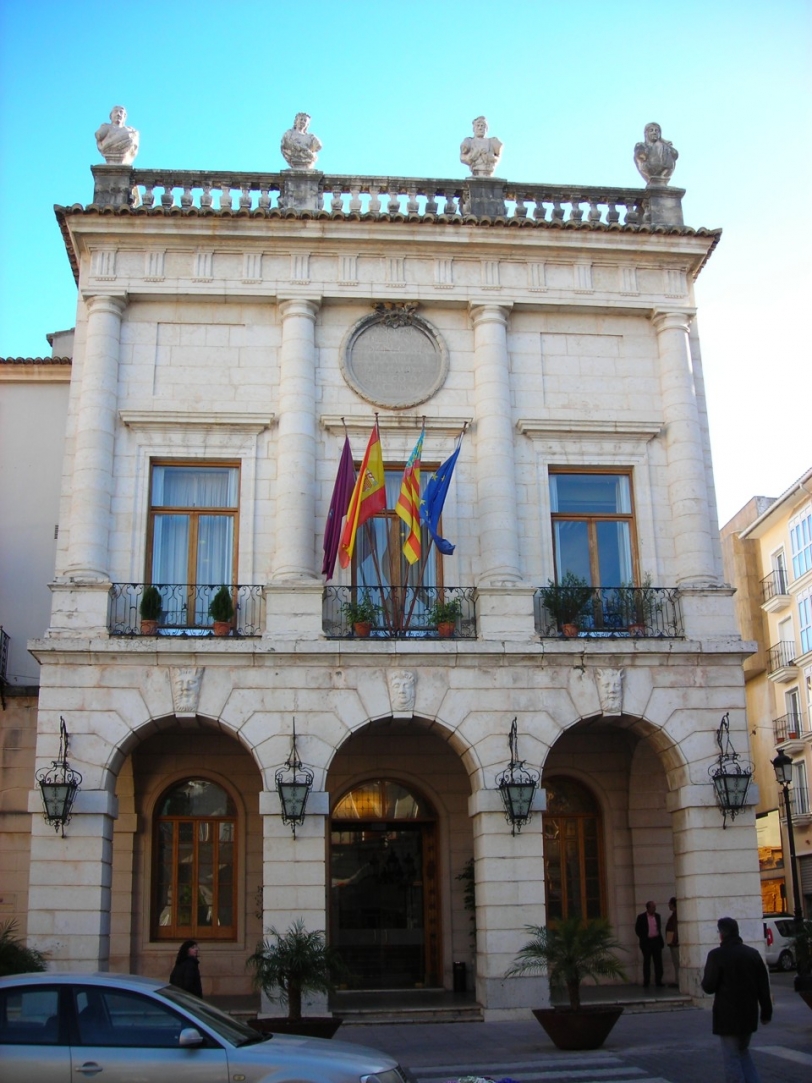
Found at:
[384, 913]
[573, 851]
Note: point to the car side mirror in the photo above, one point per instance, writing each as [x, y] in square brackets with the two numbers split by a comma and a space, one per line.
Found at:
[190, 1036]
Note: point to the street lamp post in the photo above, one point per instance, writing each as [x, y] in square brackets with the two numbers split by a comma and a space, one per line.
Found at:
[782, 765]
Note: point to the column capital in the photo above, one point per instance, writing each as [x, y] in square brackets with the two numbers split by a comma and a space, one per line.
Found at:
[489, 312]
[113, 303]
[671, 320]
[299, 306]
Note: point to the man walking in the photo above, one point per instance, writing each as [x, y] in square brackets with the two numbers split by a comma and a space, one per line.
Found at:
[648, 930]
[738, 978]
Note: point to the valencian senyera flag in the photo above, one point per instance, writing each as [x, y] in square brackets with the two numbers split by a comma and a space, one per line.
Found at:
[431, 506]
[408, 505]
[342, 492]
[368, 496]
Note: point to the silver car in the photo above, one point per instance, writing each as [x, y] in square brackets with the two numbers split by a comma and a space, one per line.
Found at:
[58, 1027]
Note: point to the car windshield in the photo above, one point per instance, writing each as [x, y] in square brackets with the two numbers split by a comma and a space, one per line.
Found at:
[222, 1024]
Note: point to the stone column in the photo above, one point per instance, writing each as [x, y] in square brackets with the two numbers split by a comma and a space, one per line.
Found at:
[495, 465]
[296, 445]
[687, 488]
[92, 481]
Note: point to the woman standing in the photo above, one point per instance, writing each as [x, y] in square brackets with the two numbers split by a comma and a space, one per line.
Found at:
[186, 971]
[672, 937]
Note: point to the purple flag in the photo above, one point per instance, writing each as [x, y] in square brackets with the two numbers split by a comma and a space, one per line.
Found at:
[345, 483]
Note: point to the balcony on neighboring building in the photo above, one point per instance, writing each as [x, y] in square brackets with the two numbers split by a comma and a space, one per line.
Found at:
[399, 613]
[184, 610]
[775, 594]
[781, 662]
[609, 612]
[789, 727]
[798, 802]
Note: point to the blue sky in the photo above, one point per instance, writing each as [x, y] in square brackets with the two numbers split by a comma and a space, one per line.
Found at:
[393, 88]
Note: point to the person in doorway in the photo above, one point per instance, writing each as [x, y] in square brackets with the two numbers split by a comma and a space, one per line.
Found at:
[186, 971]
[672, 938]
[648, 930]
[738, 978]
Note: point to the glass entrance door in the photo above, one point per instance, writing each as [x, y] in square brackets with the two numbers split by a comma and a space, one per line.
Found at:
[383, 890]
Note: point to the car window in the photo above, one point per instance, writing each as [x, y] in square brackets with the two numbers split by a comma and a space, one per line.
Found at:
[119, 1018]
[29, 1016]
[784, 928]
[224, 1025]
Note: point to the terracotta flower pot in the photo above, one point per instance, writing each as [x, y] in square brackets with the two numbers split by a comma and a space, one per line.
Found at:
[362, 629]
[446, 629]
[149, 627]
[570, 630]
[582, 1028]
[222, 627]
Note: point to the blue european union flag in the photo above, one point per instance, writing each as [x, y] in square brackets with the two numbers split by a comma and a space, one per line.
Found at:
[431, 504]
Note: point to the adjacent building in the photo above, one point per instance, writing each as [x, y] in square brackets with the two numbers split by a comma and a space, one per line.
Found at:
[768, 556]
[232, 330]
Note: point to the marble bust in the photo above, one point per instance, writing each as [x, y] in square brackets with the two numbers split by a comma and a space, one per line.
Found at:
[299, 147]
[117, 143]
[655, 157]
[480, 152]
[402, 690]
[186, 689]
[610, 691]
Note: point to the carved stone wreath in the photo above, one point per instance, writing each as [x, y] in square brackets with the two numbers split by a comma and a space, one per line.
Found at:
[393, 357]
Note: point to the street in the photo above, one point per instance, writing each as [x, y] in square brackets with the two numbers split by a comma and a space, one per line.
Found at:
[650, 1047]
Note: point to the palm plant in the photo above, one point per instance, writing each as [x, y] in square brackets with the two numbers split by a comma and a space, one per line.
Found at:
[15, 956]
[569, 951]
[286, 965]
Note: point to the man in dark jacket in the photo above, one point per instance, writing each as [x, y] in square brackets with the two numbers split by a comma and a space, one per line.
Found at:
[738, 977]
[649, 932]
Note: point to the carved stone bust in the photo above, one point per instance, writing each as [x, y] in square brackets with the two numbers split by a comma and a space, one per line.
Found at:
[480, 152]
[610, 691]
[117, 143]
[394, 358]
[655, 157]
[300, 147]
[186, 689]
[402, 684]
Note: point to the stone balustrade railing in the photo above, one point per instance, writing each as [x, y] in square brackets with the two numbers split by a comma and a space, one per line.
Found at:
[403, 197]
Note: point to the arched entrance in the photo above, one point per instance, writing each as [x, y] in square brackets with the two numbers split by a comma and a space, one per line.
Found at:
[384, 912]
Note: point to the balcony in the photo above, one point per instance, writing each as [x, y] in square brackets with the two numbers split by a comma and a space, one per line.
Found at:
[401, 613]
[799, 801]
[775, 591]
[618, 613]
[185, 610]
[789, 727]
[781, 662]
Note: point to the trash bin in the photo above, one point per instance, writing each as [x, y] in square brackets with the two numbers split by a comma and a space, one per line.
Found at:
[459, 977]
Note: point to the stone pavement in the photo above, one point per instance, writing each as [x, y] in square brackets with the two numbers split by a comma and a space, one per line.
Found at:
[650, 1047]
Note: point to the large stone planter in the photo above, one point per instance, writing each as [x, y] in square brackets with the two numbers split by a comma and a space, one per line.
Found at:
[313, 1026]
[581, 1028]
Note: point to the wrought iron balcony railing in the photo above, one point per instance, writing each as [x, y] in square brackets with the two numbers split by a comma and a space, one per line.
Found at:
[798, 800]
[613, 612]
[401, 612]
[788, 727]
[184, 609]
[781, 655]
[774, 584]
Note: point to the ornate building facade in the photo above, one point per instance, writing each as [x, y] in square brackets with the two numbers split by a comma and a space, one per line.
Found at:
[231, 329]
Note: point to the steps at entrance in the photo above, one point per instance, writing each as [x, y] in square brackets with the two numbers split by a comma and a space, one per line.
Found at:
[371, 1016]
[405, 1006]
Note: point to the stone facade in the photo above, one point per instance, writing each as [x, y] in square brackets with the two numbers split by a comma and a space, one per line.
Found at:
[215, 332]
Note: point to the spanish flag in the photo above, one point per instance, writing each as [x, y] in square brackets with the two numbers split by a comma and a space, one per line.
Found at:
[368, 497]
[408, 505]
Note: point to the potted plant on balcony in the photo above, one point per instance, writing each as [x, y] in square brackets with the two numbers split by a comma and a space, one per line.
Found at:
[567, 601]
[288, 965]
[569, 951]
[361, 614]
[638, 606]
[150, 609]
[221, 611]
[444, 614]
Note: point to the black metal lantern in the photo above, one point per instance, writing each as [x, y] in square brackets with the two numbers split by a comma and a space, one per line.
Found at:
[517, 785]
[782, 765]
[59, 784]
[730, 774]
[294, 782]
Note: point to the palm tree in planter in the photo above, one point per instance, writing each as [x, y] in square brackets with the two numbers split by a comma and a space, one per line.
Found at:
[15, 956]
[567, 601]
[569, 951]
[288, 965]
[444, 614]
[221, 611]
[150, 609]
